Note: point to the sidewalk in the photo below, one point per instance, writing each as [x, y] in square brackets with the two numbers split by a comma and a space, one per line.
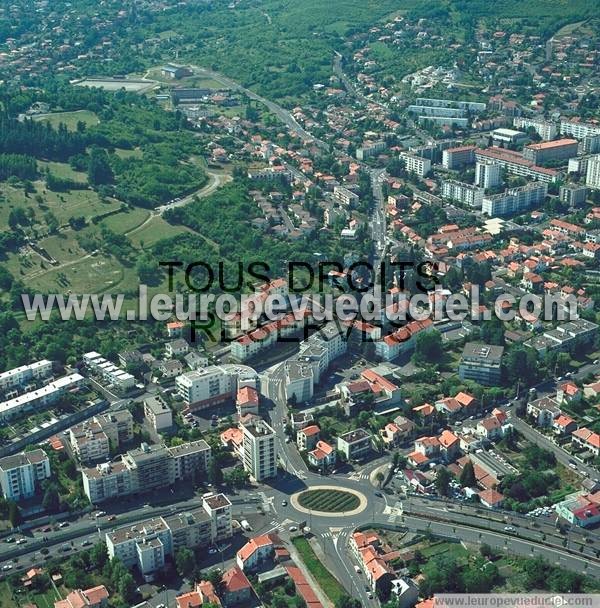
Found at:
[309, 577]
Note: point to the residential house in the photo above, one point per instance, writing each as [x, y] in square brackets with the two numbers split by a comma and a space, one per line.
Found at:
[256, 551]
[323, 456]
[236, 588]
[308, 437]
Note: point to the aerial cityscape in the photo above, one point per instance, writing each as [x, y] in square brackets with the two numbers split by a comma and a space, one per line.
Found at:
[299, 303]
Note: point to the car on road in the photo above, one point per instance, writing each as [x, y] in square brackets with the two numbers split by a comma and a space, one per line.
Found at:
[509, 529]
[212, 551]
[112, 518]
[10, 539]
[100, 513]
[63, 524]
[293, 528]
[6, 567]
[379, 494]
[21, 541]
[358, 570]
[284, 503]
[370, 596]
[86, 543]
[66, 547]
[47, 529]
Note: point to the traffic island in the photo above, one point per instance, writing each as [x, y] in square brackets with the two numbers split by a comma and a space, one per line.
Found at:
[328, 501]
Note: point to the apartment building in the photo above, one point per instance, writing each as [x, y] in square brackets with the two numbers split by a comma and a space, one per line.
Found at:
[481, 363]
[402, 340]
[218, 507]
[345, 196]
[508, 136]
[40, 398]
[355, 444]
[117, 424]
[557, 150]
[203, 388]
[416, 164]
[467, 194]
[109, 372]
[578, 130]
[592, 174]
[315, 355]
[572, 194]
[260, 450]
[21, 474]
[488, 174]
[457, 158]
[515, 200]
[545, 129]
[566, 337]
[20, 376]
[158, 413]
[106, 481]
[514, 163]
[150, 466]
[146, 468]
[89, 442]
[369, 149]
[190, 459]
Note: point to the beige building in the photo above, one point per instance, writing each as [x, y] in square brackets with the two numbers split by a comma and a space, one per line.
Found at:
[260, 450]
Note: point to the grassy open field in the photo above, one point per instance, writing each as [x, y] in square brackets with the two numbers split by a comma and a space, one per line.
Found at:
[153, 231]
[332, 589]
[70, 119]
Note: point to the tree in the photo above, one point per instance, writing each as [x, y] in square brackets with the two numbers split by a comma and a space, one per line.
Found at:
[51, 500]
[238, 477]
[14, 514]
[345, 601]
[442, 481]
[215, 473]
[428, 347]
[379, 477]
[185, 562]
[467, 475]
[215, 577]
[127, 587]
[99, 171]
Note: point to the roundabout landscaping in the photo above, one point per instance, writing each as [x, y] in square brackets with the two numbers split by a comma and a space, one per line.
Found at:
[329, 501]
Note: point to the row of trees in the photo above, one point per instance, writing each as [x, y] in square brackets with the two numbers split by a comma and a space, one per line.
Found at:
[22, 166]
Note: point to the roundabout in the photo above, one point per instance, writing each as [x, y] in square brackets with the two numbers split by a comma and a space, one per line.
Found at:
[329, 501]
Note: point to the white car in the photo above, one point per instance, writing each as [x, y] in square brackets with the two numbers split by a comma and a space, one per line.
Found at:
[509, 529]
[21, 541]
[6, 567]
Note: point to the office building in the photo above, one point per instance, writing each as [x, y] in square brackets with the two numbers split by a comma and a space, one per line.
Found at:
[20, 376]
[514, 163]
[578, 130]
[416, 164]
[551, 151]
[22, 474]
[481, 363]
[260, 450]
[545, 129]
[592, 174]
[514, 200]
[572, 194]
[509, 136]
[467, 194]
[488, 175]
[457, 158]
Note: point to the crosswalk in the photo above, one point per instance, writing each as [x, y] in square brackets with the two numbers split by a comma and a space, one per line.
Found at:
[280, 526]
[359, 476]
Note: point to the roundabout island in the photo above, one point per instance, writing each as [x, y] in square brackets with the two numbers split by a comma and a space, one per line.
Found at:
[329, 501]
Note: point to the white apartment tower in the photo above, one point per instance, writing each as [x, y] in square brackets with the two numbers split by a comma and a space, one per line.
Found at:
[260, 450]
[488, 175]
[592, 175]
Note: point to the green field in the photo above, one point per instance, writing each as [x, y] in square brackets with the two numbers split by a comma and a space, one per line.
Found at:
[332, 589]
[329, 501]
[69, 119]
